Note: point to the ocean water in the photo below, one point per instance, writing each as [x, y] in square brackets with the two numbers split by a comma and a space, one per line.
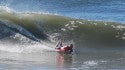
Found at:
[53, 61]
[30, 29]
[103, 10]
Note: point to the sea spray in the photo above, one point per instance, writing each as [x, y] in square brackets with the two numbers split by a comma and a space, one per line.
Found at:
[24, 45]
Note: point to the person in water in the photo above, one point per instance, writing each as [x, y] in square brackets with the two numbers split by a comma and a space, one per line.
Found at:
[65, 48]
[69, 48]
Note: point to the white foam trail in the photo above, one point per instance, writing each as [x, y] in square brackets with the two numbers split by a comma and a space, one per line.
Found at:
[25, 48]
[24, 45]
[33, 48]
[10, 47]
[37, 48]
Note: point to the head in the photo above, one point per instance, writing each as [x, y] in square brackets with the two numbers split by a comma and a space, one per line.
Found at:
[71, 45]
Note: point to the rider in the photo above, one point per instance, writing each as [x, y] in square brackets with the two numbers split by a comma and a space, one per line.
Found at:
[66, 48]
[69, 48]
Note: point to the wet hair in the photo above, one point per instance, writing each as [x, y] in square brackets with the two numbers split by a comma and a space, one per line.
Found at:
[71, 45]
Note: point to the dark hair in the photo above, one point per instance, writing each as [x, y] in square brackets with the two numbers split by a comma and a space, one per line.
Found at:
[71, 45]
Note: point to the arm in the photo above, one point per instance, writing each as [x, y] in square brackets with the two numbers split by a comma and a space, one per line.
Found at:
[58, 44]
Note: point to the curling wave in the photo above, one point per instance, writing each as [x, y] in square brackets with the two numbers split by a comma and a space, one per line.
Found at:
[39, 27]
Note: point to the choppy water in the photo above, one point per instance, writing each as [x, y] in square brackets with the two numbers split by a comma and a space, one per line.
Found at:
[53, 61]
[30, 29]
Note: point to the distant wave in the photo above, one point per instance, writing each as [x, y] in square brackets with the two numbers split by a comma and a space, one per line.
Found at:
[103, 10]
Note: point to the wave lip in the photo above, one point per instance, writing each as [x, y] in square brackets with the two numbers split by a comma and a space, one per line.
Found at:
[5, 9]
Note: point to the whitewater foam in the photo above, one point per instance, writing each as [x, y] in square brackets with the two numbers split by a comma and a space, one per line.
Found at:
[29, 48]
[25, 45]
[6, 9]
[91, 63]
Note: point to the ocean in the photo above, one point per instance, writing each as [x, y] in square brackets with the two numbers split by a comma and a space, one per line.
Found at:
[30, 29]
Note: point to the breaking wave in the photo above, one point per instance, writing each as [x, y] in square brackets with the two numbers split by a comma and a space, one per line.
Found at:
[37, 31]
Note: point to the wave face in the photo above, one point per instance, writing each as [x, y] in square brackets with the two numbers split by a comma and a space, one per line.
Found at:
[39, 27]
